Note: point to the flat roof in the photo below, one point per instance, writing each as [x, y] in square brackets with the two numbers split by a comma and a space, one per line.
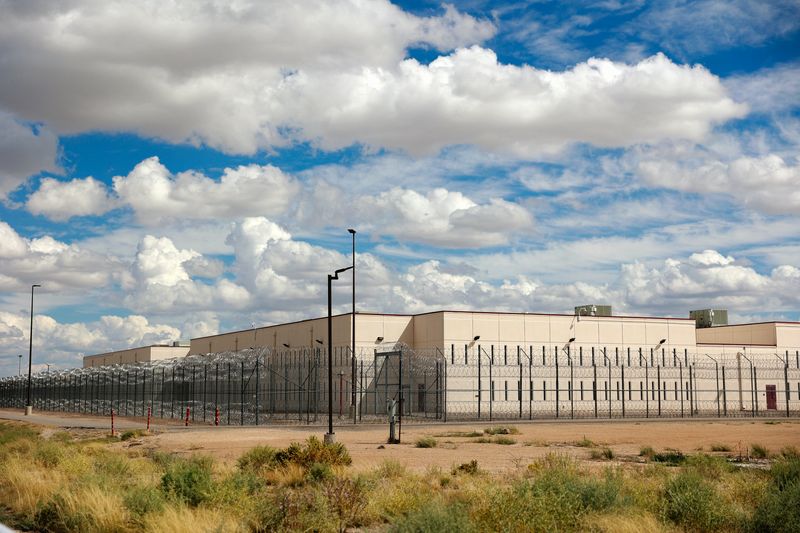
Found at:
[135, 348]
[371, 313]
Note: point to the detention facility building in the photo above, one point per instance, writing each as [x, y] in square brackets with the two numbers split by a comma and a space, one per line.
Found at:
[443, 365]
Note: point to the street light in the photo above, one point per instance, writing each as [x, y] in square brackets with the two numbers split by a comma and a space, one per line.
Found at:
[352, 232]
[28, 406]
[566, 350]
[19, 366]
[329, 436]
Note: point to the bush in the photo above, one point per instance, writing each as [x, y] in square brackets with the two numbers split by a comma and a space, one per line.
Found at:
[670, 457]
[555, 499]
[785, 472]
[314, 451]
[605, 453]
[758, 451]
[189, 480]
[470, 468]
[585, 443]
[143, 500]
[132, 434]
[779, 511]
[257, 460]
[709, 466]
[647, 452]
[319, 472]
[720, 448]
[346, 500]
[790, 452]
[693, 503]
[435, 517]
[426, 442]
[501, 430]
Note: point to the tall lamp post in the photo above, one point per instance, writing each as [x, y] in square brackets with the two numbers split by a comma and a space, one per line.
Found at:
[329, 436]
[353, 340]
[19, 366]
[28, 405]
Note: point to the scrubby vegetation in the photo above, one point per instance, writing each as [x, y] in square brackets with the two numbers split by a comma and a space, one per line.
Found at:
[62, 484]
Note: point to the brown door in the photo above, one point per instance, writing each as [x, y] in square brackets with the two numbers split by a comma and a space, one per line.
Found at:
[772, 397]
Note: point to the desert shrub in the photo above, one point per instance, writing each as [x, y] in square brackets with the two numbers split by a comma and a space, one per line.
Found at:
[555, 499]
[790, 452]
[49, 454]
[14, 432]
[143, 500]
[319, 472]
[346, 500]
[647, 452]
[132, 434]
[290, 509]
[390, 469]
[113, 467]
[426, 442]
[314, 451]
[189, 480]
[785, 472]
[470, 468]
[778, 511]
[604, 453]
[720, 448]
[435, 517]
[257, 460]
[584, 443]
[758, 451]
[501, 430]
[692, 503]
[502, 439]
[670, 457]
[162, 459]
[709, 466]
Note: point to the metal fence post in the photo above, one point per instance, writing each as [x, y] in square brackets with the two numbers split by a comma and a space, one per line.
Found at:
[680, 369]
[658, 374]
[594, 386]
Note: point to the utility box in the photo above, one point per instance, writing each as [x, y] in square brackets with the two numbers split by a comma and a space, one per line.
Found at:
[593, 310]
[708, 318]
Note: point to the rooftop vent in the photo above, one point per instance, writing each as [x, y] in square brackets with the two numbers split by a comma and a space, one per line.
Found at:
[593, 310]
[708, 318]
[183, 344]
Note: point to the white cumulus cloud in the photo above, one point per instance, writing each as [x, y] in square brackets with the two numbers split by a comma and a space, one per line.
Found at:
[59, 200]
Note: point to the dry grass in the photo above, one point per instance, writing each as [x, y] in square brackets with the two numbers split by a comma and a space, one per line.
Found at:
[24, 485]
[65, 485]
[634, 523]
[179, 519]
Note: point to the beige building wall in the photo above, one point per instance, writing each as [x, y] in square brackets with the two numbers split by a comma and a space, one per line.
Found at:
[534, 331]
[135, 355]
[763, 334]
[305, 333]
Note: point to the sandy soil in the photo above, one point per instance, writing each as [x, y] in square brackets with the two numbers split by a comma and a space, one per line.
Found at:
[533, 441]
[366, 443]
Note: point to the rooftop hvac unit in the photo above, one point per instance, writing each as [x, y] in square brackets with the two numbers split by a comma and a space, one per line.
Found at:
[183, 344]
[708, 318]
[593, 310]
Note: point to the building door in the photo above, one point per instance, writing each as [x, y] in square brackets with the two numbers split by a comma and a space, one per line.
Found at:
[772, 397]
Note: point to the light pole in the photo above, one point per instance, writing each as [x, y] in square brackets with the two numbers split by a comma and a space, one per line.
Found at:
[19, 366]
[329, 436]
[353, 340]
[28, 406]
[571, 378]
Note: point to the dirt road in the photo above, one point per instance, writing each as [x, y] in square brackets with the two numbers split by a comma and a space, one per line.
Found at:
[535, 439]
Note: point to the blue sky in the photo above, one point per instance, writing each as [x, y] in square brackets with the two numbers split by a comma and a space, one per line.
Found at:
[169, 171]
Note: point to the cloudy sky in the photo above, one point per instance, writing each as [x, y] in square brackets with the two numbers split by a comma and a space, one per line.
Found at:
[175, 169]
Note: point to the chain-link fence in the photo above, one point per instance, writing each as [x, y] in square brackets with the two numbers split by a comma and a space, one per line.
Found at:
[259, 386]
